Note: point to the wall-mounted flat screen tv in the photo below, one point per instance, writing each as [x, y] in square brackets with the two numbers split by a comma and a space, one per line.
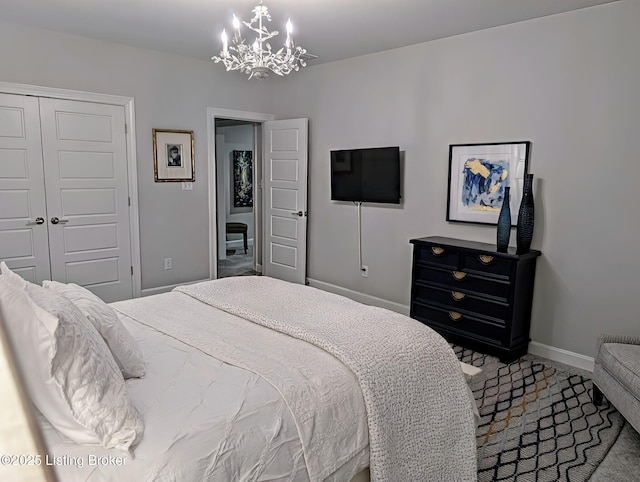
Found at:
[366, 175]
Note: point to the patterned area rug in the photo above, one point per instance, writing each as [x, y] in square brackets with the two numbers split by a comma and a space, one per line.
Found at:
[537, 422]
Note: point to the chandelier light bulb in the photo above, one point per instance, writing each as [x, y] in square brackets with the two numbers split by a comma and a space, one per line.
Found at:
[225, 48]
[236, 27]
[257, 59]
[288, 42]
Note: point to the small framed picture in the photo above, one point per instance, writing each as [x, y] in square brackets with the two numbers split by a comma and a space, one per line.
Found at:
[478, 174]
[173, 156]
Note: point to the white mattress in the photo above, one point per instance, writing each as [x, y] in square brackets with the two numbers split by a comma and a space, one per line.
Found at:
[204, 420]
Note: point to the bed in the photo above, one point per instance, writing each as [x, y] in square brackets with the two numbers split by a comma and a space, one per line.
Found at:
[252, 378]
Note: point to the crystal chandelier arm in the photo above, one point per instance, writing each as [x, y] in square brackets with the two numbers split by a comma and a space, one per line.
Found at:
[261, 30]
[258, 58]
[260, 11]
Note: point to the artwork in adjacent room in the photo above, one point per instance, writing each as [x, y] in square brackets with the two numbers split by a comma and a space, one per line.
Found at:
[173, 158]
[478, 176]
[242, 179]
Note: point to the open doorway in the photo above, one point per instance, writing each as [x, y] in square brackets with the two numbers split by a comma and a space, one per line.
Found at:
[238, 174]
[279, 198]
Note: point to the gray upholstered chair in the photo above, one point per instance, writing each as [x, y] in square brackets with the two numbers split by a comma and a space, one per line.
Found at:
[616, 374]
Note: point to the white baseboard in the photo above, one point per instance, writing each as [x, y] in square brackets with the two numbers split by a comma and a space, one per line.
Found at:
[164, 289]
[545, 351]
[360, 297]
[561, 356]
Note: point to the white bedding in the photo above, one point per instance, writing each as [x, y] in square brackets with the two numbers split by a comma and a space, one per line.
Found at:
[204, 420]
[287, 409]
[420, 410]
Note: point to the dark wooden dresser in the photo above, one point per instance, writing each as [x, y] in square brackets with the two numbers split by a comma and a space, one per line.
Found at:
[472, 295]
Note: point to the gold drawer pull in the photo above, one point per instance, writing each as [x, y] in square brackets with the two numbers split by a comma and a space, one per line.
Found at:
[456, 295]
[437, 251]
[484, 259]
[455, 316]
[459, 275]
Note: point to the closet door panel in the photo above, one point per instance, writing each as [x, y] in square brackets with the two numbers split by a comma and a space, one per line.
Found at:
[24, 243]
[85, 167]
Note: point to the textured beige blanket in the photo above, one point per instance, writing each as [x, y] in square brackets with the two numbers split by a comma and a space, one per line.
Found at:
[420, 414]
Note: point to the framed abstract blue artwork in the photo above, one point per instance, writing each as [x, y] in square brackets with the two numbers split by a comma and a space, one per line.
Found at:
[478, 174]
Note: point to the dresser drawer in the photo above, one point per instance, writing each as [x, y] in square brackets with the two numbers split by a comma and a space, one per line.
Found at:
[462, 281]
[473, 295]
[436, 255]
[486, 264]
[458, 323]
[457, 300]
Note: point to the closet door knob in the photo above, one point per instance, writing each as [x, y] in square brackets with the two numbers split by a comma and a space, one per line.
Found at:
[38, 220]
[299, 213]
[55, 220]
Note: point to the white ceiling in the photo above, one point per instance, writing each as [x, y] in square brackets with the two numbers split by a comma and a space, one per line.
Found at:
[330, 29]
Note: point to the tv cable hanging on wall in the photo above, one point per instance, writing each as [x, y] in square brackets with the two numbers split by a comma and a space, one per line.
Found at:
[363, 269]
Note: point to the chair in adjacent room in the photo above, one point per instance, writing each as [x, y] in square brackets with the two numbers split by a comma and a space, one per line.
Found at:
[239, 228]
[616, 375]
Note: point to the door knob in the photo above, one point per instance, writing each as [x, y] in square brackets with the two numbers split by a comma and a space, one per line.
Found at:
[299, 213]
[55, 220]
[38, 220]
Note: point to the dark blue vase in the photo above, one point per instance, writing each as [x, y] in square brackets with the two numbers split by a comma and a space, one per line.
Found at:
[524, 232]
[504, 223]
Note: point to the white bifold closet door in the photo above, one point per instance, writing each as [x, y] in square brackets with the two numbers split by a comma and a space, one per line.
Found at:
[24, 245]
[63, 166]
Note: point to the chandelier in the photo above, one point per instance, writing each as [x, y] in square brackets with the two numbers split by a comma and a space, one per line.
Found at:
[258, 59]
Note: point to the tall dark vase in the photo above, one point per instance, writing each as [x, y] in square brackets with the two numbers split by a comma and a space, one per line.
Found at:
[504, 223]
[524, 232]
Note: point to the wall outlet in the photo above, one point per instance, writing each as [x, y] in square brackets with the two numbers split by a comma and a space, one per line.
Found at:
[187, 186]
[365, 271]
[167, 263]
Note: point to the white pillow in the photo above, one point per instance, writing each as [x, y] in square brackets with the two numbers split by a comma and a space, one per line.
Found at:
[124, 348]
[68, 370]
[11, 277]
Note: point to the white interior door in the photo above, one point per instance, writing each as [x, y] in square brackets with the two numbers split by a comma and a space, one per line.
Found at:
[24, 243]
[285, 203]
[85, 165]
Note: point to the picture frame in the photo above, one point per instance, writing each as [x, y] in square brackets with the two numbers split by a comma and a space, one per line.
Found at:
[242, 180]
[478, 174]
[173, 155]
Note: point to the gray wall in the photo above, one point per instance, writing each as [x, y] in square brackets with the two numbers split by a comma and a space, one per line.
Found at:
[171, 92]
[568, 83]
